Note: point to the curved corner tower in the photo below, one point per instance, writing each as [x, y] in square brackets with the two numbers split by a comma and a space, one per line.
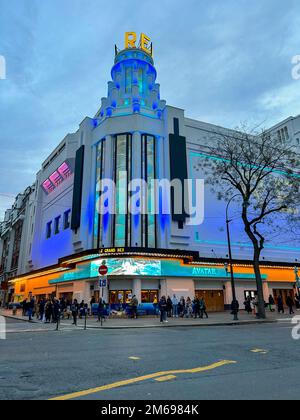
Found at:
[128, 133]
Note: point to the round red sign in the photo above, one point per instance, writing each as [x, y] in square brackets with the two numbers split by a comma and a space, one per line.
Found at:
[103, 270]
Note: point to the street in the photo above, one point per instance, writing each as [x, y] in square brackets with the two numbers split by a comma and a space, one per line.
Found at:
[233, 362]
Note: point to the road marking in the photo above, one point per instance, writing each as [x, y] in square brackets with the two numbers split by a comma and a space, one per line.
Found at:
[141, 379]
[261, 351]
[165, 378]
[134, 358]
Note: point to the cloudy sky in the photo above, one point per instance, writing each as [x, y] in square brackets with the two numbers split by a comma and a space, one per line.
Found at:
[224, 62]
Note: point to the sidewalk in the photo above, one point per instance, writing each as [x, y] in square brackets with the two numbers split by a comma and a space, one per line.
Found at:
[215, 319]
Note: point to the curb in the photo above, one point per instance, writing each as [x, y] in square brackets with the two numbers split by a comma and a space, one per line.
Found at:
[120, 327]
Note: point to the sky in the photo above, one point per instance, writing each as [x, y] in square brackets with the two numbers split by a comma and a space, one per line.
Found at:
[224, 62]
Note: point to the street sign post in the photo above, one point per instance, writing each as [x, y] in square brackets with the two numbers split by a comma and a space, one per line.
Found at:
[103, 270]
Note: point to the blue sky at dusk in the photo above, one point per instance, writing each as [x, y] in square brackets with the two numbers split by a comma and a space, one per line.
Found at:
[224, 62]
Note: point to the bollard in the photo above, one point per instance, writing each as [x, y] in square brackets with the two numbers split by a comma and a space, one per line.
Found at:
[85, 318]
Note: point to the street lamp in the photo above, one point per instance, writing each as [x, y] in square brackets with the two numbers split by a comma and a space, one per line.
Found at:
[228, 221]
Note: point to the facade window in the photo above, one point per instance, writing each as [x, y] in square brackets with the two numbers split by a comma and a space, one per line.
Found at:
[141, 81]
[120, 297]
[122, 222]
[128, 81]
[57, 225]
[148, 174]
[150, 296]
[67, 223]
[98, 219]
[49, 230]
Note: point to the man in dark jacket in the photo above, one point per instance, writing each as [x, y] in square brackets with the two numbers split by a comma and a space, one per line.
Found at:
[280, 304]
[163, 309]
[290, 304]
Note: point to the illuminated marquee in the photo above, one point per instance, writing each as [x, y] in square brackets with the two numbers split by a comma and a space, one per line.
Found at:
[144, 42]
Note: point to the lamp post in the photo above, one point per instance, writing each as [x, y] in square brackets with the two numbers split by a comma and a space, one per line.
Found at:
[228, 221]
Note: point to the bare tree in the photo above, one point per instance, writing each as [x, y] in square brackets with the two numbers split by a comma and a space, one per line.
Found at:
[264, 172]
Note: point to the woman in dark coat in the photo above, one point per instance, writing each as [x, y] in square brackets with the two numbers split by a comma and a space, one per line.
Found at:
[169, 307]
[163, 309]
[48, 311]
[247, 304]
[280, 304]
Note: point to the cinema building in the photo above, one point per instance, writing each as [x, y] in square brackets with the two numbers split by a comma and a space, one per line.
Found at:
[136, 135]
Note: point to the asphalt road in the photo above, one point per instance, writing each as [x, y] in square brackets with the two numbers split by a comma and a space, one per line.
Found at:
[48, 364]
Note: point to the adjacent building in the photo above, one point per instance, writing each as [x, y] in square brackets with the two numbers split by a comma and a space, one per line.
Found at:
[60, 231]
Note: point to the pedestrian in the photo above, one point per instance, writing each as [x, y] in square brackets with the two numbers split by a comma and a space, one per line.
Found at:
[134, 307]
[271, 303]
[197, 308]
[280, 305]
[100, 310]
[48, 311]
[203, 308]
[290, 304]
[247, 304]
[181, 307]
[163, 309]
[92, 302]
[297, 302]
[74, 310]
[42, 309]
[169, 307]
[30, 307]
[56, 310]
[235, 307]
[24, 307]
[189, 308]
[175, 306]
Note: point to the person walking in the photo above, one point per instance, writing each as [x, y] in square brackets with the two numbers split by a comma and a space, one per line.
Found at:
[290, 304]
[163, 309]
[271, 303]
[280, 305]
[175, 306]
[247, 304]
[203, 308]
[189, 308]
[74, 310]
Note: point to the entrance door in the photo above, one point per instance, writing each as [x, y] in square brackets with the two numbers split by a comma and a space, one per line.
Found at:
[214, 299]
[284, 293]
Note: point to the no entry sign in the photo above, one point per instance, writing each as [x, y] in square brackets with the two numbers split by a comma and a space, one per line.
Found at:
[103, 270]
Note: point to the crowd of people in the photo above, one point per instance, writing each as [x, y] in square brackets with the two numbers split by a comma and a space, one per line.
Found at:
[251, 304]
[181, 308]
[51, 310]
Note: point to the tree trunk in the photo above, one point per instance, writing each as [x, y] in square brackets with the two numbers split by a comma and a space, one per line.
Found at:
[259, 283]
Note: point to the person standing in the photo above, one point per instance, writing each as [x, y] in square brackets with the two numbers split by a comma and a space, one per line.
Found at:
[280, 305]
[48, 311]
[235, 307]
[41, 309]
[175, 306]
[247, 304]
[30, 307]
[74, 310]
[169, 307]
[290, 304]
[203, 308]
[197, 308]
[271, 303]
[163, 309]
[100, 310]
[134, 307]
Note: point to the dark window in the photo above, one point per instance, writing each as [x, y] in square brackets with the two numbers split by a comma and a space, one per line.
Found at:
[49, 230]
[57, 225]
[67, 219]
